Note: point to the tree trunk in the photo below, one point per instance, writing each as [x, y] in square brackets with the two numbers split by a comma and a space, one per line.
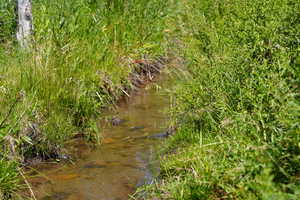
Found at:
[25, 25]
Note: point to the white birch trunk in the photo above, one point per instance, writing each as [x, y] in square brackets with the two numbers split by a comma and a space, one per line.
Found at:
[25, 25]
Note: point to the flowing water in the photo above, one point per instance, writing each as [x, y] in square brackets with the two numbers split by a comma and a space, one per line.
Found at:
[120, 164]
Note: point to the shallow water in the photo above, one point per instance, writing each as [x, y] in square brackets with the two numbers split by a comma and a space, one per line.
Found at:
[120, 164]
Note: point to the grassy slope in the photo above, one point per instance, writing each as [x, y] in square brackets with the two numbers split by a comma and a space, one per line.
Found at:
[81, 58]
[240, 109]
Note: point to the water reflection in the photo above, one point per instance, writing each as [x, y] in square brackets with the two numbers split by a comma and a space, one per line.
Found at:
[114, 170]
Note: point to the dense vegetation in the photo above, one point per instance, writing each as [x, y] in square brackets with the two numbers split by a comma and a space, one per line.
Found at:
[81, 57]
[239, 109]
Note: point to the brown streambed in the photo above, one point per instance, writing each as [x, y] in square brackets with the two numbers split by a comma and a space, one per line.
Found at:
[114, 170]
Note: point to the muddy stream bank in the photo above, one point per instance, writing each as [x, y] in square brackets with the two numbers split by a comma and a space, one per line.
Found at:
[124, 160]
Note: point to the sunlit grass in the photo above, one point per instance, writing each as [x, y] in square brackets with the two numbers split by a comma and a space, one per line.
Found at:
[81, 57]
[239, 110]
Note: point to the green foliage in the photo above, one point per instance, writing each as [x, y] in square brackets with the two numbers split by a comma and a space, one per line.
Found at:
[81, 57]
[240, 110]
[8, 178]
[7, 20]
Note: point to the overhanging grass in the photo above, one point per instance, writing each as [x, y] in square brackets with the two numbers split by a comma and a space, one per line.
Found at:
[81, 57]
[239, 113]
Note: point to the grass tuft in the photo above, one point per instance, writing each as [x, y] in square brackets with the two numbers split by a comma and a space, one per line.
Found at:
[80, 62]
[239, 110]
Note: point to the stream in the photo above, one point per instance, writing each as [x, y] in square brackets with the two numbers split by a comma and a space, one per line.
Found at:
[124, 161]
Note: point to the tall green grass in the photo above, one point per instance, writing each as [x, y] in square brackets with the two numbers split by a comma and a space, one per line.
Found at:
[79, 62]
[239, 110]
[7, 20]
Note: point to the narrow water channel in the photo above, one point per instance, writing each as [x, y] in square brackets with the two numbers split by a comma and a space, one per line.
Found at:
[123, 162]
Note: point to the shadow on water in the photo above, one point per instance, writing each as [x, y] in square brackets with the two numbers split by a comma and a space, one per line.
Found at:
[121, 163]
